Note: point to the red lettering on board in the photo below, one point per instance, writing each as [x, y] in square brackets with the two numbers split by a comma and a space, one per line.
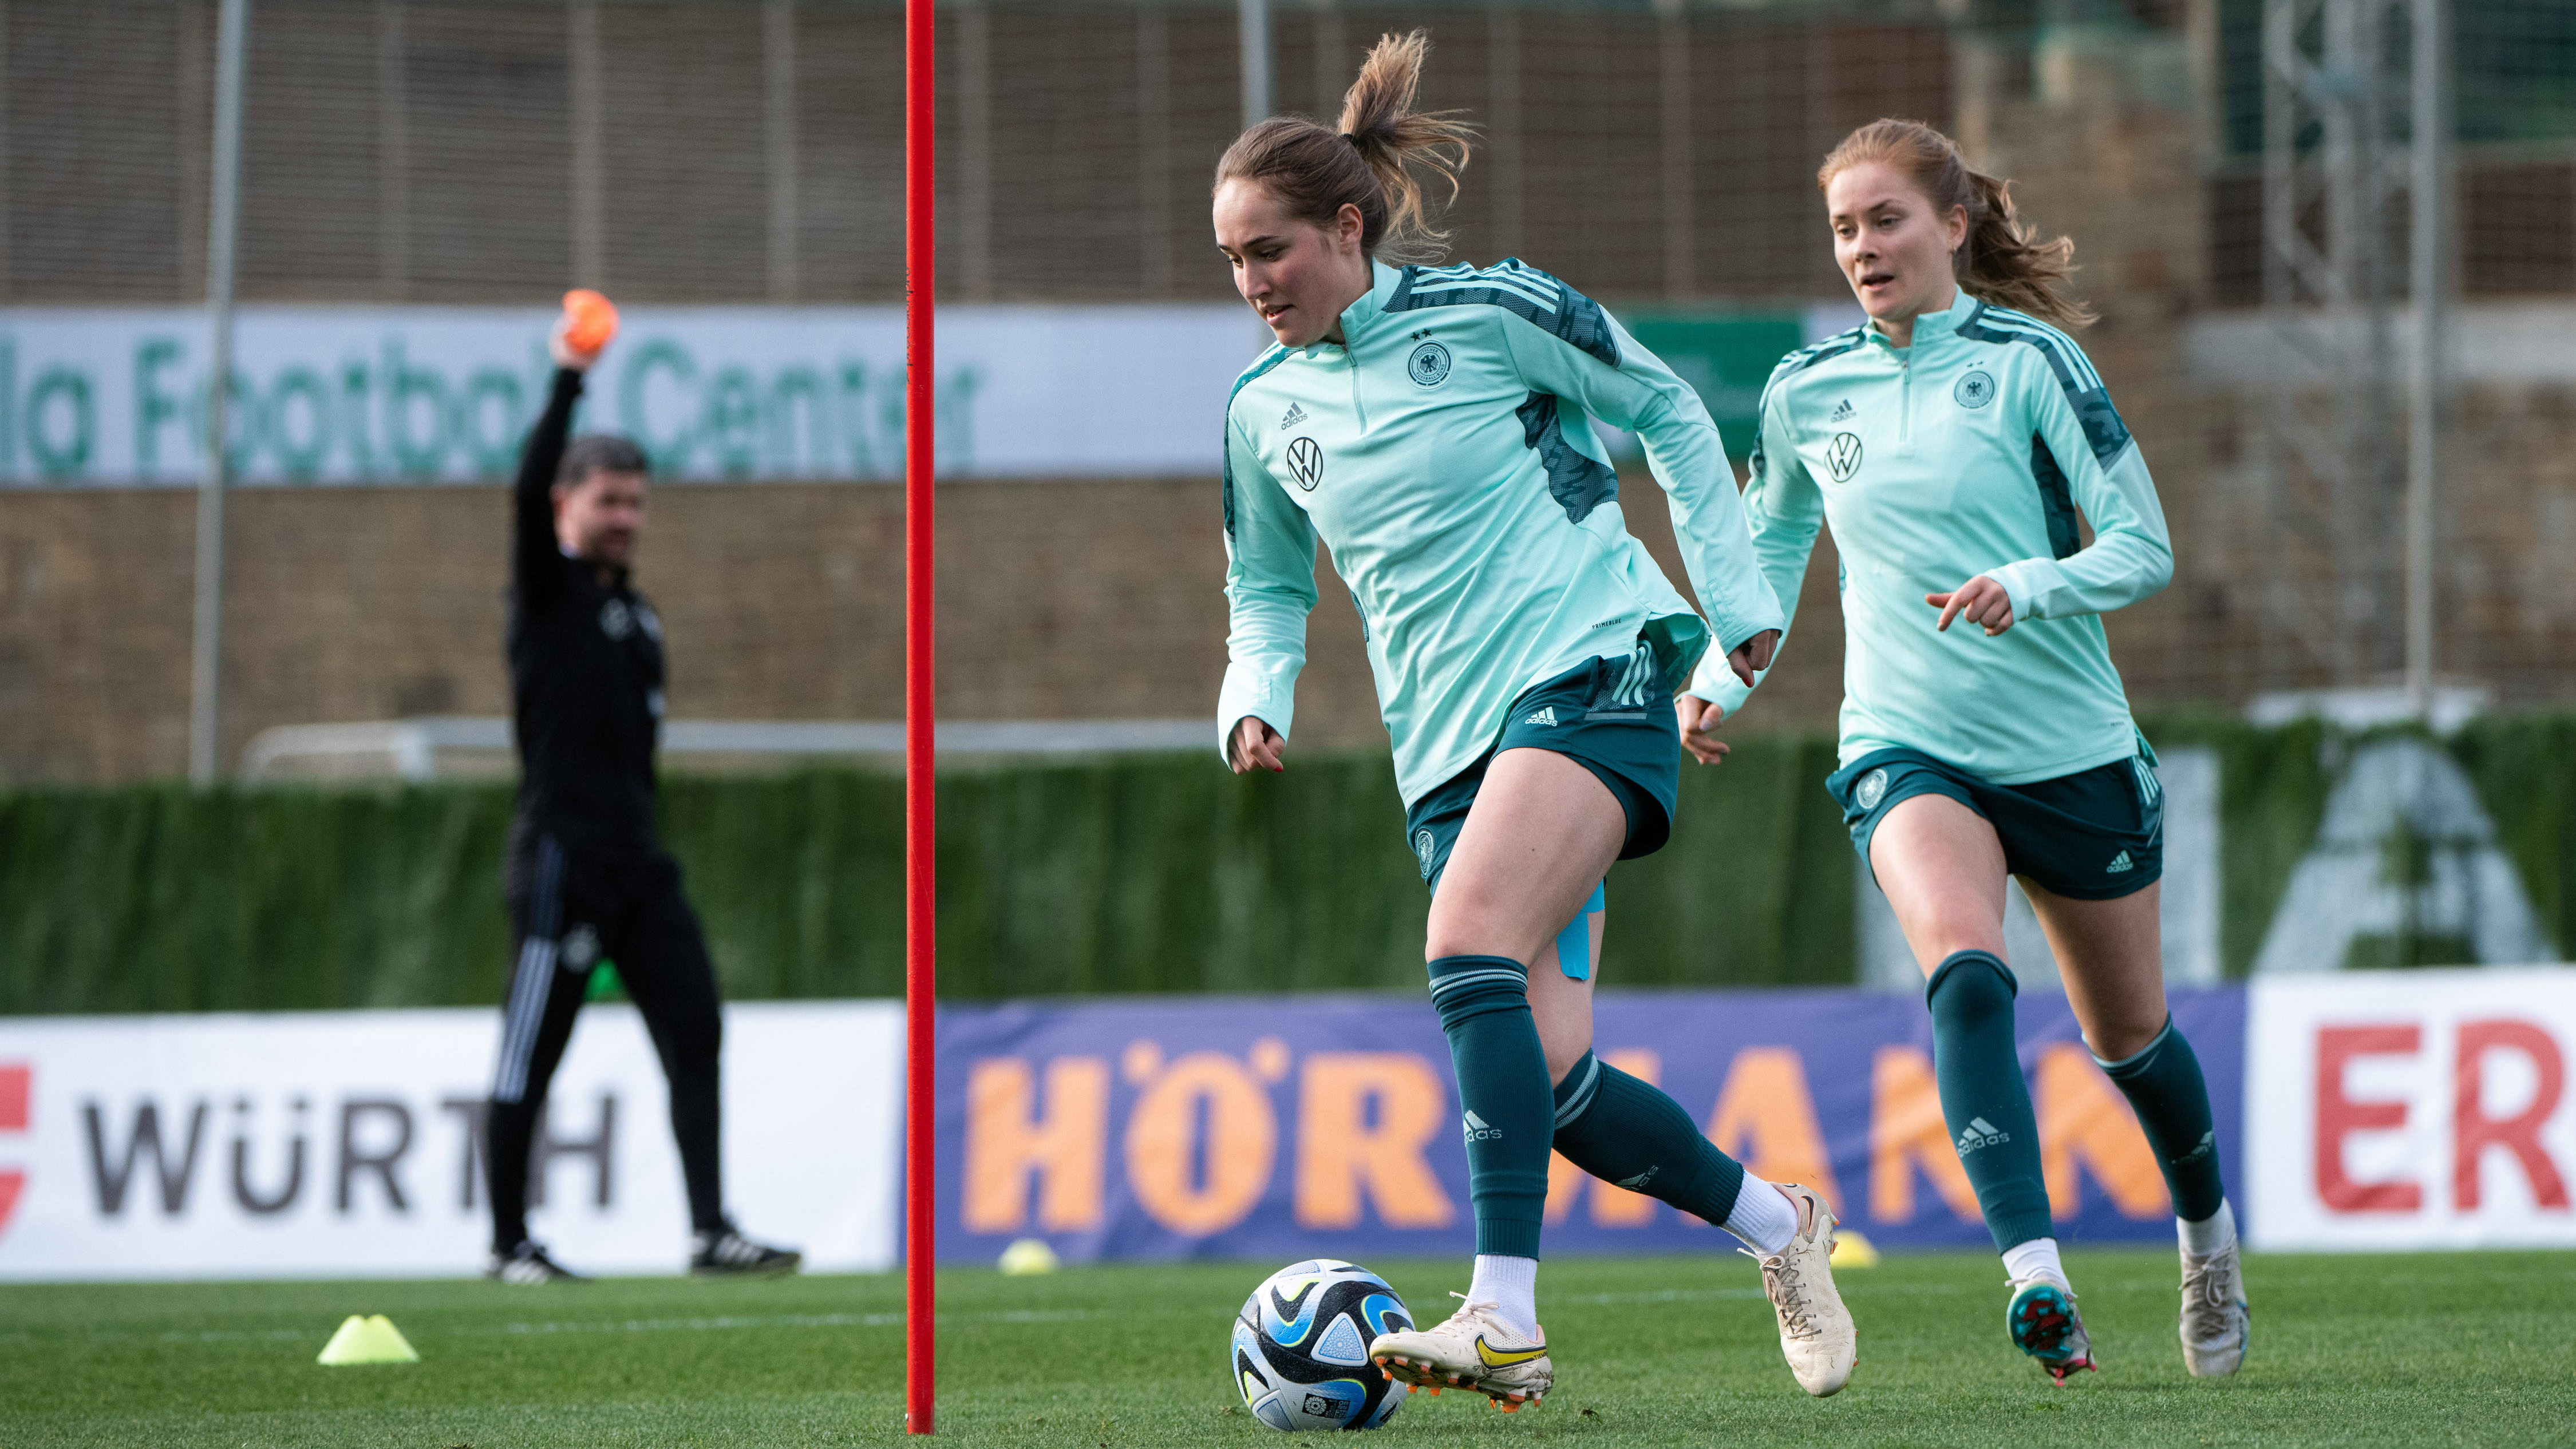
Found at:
[2338, 1117]
[15, 1080]
[2473, 1131]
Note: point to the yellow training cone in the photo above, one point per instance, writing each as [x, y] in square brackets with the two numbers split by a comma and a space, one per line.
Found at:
[1851, 1250]
[367, 1340]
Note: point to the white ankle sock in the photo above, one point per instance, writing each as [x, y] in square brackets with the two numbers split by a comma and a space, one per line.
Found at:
[2035, 1259]
[2211, 1234]
[1763, 1217]
[1511, 1285]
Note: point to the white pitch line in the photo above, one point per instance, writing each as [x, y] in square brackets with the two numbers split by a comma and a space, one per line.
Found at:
[631, 1325]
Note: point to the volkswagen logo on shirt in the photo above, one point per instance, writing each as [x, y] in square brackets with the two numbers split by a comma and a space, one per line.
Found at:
[1429, 364]
[615, 619]
[1842, 455]
[1974, 390]
[1306, 463]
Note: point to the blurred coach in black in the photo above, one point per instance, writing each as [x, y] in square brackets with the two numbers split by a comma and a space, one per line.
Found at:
[587, 878]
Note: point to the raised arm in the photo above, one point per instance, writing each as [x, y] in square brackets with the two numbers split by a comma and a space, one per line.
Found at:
[1581, 354]
[1783, 509]
[1269, 590]
[532, 522]
[2131, 556]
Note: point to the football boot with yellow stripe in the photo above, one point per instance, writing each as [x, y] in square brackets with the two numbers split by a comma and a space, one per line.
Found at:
[1473, 1349]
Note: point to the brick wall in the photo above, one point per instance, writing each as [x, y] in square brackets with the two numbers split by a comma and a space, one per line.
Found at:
[783, 601]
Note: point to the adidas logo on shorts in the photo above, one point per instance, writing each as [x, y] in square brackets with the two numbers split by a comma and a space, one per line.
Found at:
[1478, 1131]
[1545, 716]
[1980, 1133]
[2119, 863]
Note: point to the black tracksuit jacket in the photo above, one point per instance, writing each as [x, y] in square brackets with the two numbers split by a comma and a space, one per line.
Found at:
[586, 676]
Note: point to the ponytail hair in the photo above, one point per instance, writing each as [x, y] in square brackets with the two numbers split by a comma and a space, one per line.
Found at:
[2002, 261]
[1369, 162]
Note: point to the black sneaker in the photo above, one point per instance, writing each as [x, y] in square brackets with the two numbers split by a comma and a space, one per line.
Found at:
[526, 1264]
[727, 1254]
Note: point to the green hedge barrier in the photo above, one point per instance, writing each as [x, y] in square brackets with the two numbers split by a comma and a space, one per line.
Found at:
[1144, 874]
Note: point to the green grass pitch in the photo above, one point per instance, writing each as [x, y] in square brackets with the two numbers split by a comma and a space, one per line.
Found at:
[2399, 1350]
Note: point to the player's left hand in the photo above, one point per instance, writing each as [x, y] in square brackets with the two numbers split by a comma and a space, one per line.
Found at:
[1980, 601]
[1698, 720]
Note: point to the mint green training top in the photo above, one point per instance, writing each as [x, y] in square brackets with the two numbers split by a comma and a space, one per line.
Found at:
[1446, 454]
[1967, 453]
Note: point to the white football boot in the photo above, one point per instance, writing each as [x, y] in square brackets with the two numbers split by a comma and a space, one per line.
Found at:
[2216, 1329]
[1817, 1335]
[2044, 1324]
[1474, 1349]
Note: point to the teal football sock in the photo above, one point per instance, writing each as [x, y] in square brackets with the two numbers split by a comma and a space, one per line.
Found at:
[1502, 1087]
[2163, 1083]
[1630, 1134]
[1983, 1097]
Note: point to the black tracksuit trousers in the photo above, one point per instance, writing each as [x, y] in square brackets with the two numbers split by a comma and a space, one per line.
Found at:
[569, 913]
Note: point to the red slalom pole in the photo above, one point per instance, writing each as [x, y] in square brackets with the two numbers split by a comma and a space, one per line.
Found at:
[920, 737]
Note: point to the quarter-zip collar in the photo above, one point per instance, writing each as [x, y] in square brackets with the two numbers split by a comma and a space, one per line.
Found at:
[1933, 328]
[1357, 317]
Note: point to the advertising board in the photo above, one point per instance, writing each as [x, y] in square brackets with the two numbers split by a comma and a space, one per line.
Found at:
[116, 396]
[347, 1143]
[2412, 1109]
[1297, 1127]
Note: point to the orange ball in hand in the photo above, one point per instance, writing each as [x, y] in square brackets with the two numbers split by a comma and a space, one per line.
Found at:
[589, 320]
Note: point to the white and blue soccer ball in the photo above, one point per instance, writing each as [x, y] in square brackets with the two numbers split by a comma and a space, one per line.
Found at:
[1301, 1348]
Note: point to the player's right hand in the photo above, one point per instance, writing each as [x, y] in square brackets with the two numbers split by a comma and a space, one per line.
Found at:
[559, 346]
[1697, 717]
[1255, 745]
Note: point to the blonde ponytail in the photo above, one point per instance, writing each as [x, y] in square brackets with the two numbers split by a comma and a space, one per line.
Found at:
[1369, 163]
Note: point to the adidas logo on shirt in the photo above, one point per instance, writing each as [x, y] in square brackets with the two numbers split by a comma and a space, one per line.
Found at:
[1296, 415]
[1841, 412]
[1478, 1131]
[2119, 863]
[1980, 1133]
[1545, 716]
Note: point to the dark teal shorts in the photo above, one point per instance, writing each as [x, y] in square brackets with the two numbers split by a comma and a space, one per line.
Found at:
[2095, 835]
[1609, 716]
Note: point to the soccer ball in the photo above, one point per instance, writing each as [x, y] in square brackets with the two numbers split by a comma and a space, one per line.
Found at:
[1301, 1348]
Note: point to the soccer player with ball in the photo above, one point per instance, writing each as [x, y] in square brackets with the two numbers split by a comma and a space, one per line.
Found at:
[1952, 437]
[1434, 426]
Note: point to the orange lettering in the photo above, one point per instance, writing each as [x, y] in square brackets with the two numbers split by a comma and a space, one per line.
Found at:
[1242, 1144]
[1906, 1132]
[1340, 1155]
[1766, 1119]
[1006, 1141]
[2082, 1115]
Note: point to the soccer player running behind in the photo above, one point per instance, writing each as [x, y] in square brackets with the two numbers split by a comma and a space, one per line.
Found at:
[1949, 441]
[586, 876]
[1434, 426]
